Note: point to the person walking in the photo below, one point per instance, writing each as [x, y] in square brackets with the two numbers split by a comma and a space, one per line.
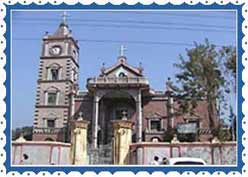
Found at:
[155, 161]
[164, 161]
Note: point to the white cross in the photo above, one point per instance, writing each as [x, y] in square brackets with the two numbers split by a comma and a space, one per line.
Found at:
[122, 50]
[64, 16]
[124, 115]
[80, 116]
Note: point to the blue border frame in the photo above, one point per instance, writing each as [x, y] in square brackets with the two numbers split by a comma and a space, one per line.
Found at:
[134, 169]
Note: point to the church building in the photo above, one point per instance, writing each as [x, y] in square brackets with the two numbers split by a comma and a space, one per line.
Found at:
[121, 91]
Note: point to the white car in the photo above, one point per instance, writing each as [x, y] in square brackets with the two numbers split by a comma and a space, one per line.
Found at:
[186, 161]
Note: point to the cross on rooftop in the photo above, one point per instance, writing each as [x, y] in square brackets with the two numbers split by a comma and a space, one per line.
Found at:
[64, 17]
[122, 50]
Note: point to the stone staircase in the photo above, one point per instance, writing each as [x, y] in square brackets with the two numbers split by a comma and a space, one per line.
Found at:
[100, 156]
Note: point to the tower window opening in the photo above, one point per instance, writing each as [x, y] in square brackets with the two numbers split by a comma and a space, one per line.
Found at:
[52, 99]
[54, 74]
[51, 123]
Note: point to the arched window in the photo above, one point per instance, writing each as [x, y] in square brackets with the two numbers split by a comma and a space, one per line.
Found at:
[52, 96]
[53, 72]
[122, 74]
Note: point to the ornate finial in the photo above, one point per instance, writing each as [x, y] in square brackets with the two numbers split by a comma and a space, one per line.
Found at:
[64, 17]
[122, 50]
[103, 68]
[169, 84]
[140, 67]
[46, 34]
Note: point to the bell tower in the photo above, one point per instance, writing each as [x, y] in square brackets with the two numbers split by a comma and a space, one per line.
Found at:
[57, 85]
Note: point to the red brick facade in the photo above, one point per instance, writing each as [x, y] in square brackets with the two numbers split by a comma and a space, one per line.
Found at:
[154, 105]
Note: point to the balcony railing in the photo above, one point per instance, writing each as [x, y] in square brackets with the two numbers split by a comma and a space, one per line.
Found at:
[117, 80]
[49, 130]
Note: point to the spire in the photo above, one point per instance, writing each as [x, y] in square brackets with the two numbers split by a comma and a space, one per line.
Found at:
[63, 29]
[64, 18]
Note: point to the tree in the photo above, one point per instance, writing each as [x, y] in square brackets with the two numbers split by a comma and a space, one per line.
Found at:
[26, 131]
[232, 119]
[229, 57]
[200, 78]
[229, 54]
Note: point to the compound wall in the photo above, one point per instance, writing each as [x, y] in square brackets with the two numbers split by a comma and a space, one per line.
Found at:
[212, 154]
[40, 153]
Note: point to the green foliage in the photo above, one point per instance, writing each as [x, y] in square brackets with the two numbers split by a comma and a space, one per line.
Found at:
[168, 136]
[191, 137]
[26, 131]
[200, 78]
[230, 58]
[223, 134]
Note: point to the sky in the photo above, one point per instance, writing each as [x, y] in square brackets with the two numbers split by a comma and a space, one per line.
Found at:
[154, 38]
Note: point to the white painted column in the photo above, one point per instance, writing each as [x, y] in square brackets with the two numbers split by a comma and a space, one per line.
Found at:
[139, 116]
[46, 98]
[95, 121]
[171, 104]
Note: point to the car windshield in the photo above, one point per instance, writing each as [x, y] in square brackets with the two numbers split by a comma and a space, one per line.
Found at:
[188, 163]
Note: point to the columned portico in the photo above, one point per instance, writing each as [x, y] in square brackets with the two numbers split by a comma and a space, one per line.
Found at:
[120, 87]
[101, 95]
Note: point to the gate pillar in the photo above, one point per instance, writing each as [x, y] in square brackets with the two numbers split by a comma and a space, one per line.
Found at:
[121, 141]
[79, 142]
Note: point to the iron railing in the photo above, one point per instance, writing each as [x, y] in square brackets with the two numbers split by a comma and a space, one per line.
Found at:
[49, 130]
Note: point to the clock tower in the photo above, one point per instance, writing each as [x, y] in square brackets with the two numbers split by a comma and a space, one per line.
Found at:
[57, 85]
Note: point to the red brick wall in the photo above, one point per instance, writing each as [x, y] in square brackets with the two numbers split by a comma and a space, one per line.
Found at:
[155, 106]
[42, 137]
